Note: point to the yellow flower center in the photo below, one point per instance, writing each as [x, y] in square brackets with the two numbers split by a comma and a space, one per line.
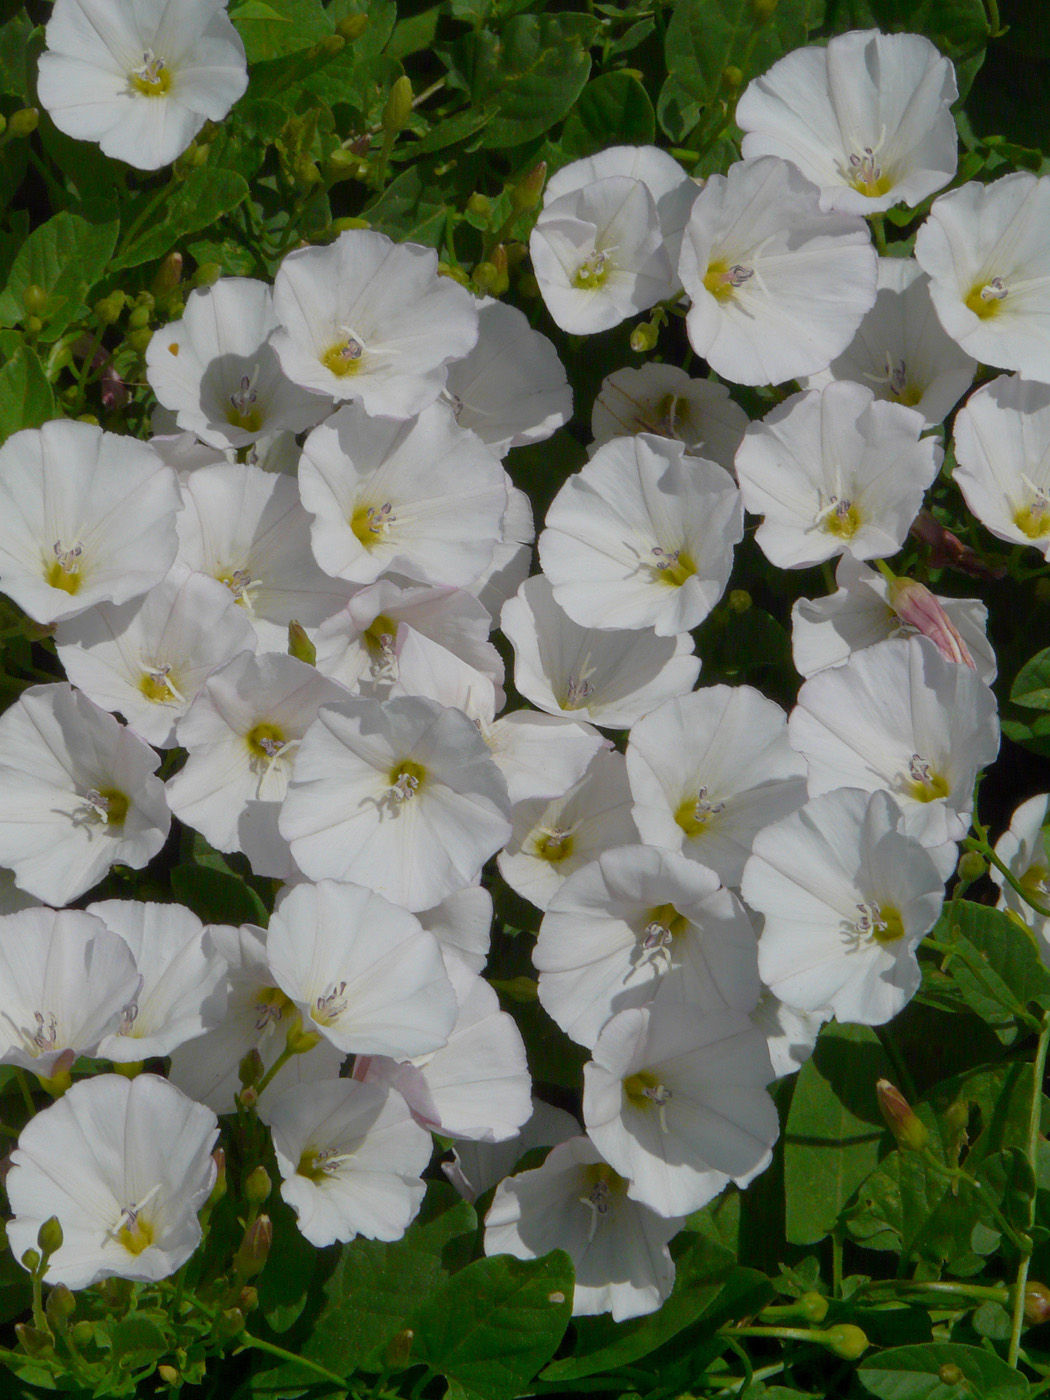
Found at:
[672, 567]
[866, 175]
[405, 780]
[1033, 520]
[345, 357]
[592, 272]
[62, 567]
[922, 783]
[137, 1236]
[153, 79]
[841, 519]
[985, 299]
[696, 813]
[370, 524]
[264, 740]
[115, 805]
[553, 843]
[722, 280]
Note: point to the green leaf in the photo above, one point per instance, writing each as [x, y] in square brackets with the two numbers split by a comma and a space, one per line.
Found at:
[191, 204]
[613, 110]
[446, 132]
[413, 34]
[996, 965]
[603, 1345]
[409, 208]
[834, 1135]
[957, 27]
[66, 256]
[1031, 687]
[273, 75]
[535, 69]
[26, 399]
[704, 37]
[496, 1322]
[270, 31]
[17, 59]
[912, 1373]
[217, 898]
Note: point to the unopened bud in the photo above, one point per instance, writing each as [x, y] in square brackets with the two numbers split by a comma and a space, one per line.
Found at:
[484, 276]
[168, 275]
[255, 1247]
[251, 1069]
[810, 1307]
[60, 1307]
[219, 1189]
[330, 45]
[763, 10]
[456, 273]
[248, 1299]
[31, 1260]
[108, 309]
[140, 317]
[949, 1373]
[229, 1324]
[644, 338]
[34, 1342]
[527, 192]
[49, 1236]
[972, 865]
[33, 324]
[34, 299]
[140, 339]
[1036, 1303]
[308, 175]
[341, 164]
[919, 608]
[83, 1333]
[398, 107]
[351, 27]
[901, 1119]
[399, 1350]
[24, 122]
[300, 645]
[248, 1097]
[207, 274]
[739, 600]
[480, 205]
[344, 225]
[845, 1340]
[732, 77]
[168, 1374]
[258, 1186]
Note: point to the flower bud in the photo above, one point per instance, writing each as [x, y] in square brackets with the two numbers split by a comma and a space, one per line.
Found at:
[298, 1040]
[763, 10]
[330, 45]
[845, 1340]
[255, 1247]
[229, 1324]
[108, 309]
[527, 192]
[168, 1374]
[456, 273]
[207, 274]
[219, 1189]
[900, 1117]
[399, 1350]
[341, 164]
[140, 317]
[168, 275]
[49, 1236]
[949, 1373]
[484, 276]
[251, 1068]
[34, 1342]
[83, 1333]
[644, 337]
[739, 600]
[916, 605]
[31, 1260]
[34, 299]
[248, 1098]
[248, 1299]
[23, 122]
[300, 645]
[398, 107]
[1036, 1303]
[972, 865]
[60, 1307]
[480, 205]
[351, 27]
[732, 77]
[258, 1186]
[342, 225]
[810, 1307]
[140, 339]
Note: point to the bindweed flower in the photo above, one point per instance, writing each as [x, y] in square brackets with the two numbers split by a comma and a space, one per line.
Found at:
[1023, 849]
[1002, 449]
[847, 897]
[866, 118]
[125, 1165]
[778, 287]
[576, 1202]
[663, 399]
[77, 794]
[477, 1166]
[140, 79]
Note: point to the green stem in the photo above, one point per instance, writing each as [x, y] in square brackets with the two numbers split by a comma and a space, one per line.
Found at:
[1032, 1147]
[278, 1064]
[1018, 1012]
[954, 1174]
[257, 1344]
[982, 1292]
[787, 1334]
[727, 1385]
[147, 213]
[23, 1084]
[994, 27]
[878, 228]
[836, 1262]
[985, 849]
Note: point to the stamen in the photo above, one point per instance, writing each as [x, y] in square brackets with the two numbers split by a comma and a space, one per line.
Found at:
[270, 1007]
[152, 78]
[922, 782]
[331, 1005]
[986, 298]
[995, 290]
[68, 559]
[404, 787]
[592, 272]
[107, 808]
[158, 686]
[693, 816]
[45, 1037]
[130, 1013]
[597, 1202]
[243, 413]
[576, 692]
[722, 280]
[243, 587]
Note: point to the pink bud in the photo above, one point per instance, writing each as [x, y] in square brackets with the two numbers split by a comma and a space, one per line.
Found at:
[947, 551]
[916, 605]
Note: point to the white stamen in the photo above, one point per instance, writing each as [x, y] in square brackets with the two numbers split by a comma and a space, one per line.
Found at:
[332, 1004]
[68, 559]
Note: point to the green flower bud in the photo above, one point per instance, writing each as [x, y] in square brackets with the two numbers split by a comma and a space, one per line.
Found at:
[168, 1374]
[972, 865]
[307, 174]
[399, 1350]
[300, 645]
[351, 27]
[480, 205]
[24, 122]
[732, 77]
[330, 45]
[129, 1071]
[644, 338]
[34, 1342]
[108, 309]
[168, 275]
[456, 273]
[251, 1068]
[527, 192]
[229, 1324]
[254, 1250]
[31, 1260]
[60, 1307]
[949, 1373]
[206, 274]
[33, 325]
[909, 1130]
[83, 1334]
[763, 10]
[49, 1237]
[342, 225]
[739, 600]
[845, 1340]
[484, 276]
[258, 1186]
[219, 1189]
[341, 164]
[138, 340]
[398, 107]
[248, 1299]
[1036, 1303]
[140, 317]
[34, 299]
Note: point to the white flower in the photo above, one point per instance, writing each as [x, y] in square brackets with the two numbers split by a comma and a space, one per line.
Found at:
[709, 770]
[64, 980]
[476, 1166]
[901, 350]
[350, 1158]
[511, 558]
[148, 658]
[216, 368]
[247, 528]
[988, 258]
[141, 79]
[553, 838]
[1023, 849]
[834, 470]
[867, 118]
[85, 517]
[778, 287]
[663, 399]
[576, 1202]
[77, 794]
[790, 1033]
[369, 319]
[642, 536]
[181, 991]
[423, 498]
[639, 924]
[847, 898]
[611, 678]
[462, 924]
[676, 1103]
[125, 1165]
[401, 796]
[540, 755]
[901, 718]
[827, 631]
[599, 256]
[1002, 449]
[511, 389]
[363, 971]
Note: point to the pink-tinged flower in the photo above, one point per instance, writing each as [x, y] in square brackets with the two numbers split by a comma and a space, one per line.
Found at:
[915, 605]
